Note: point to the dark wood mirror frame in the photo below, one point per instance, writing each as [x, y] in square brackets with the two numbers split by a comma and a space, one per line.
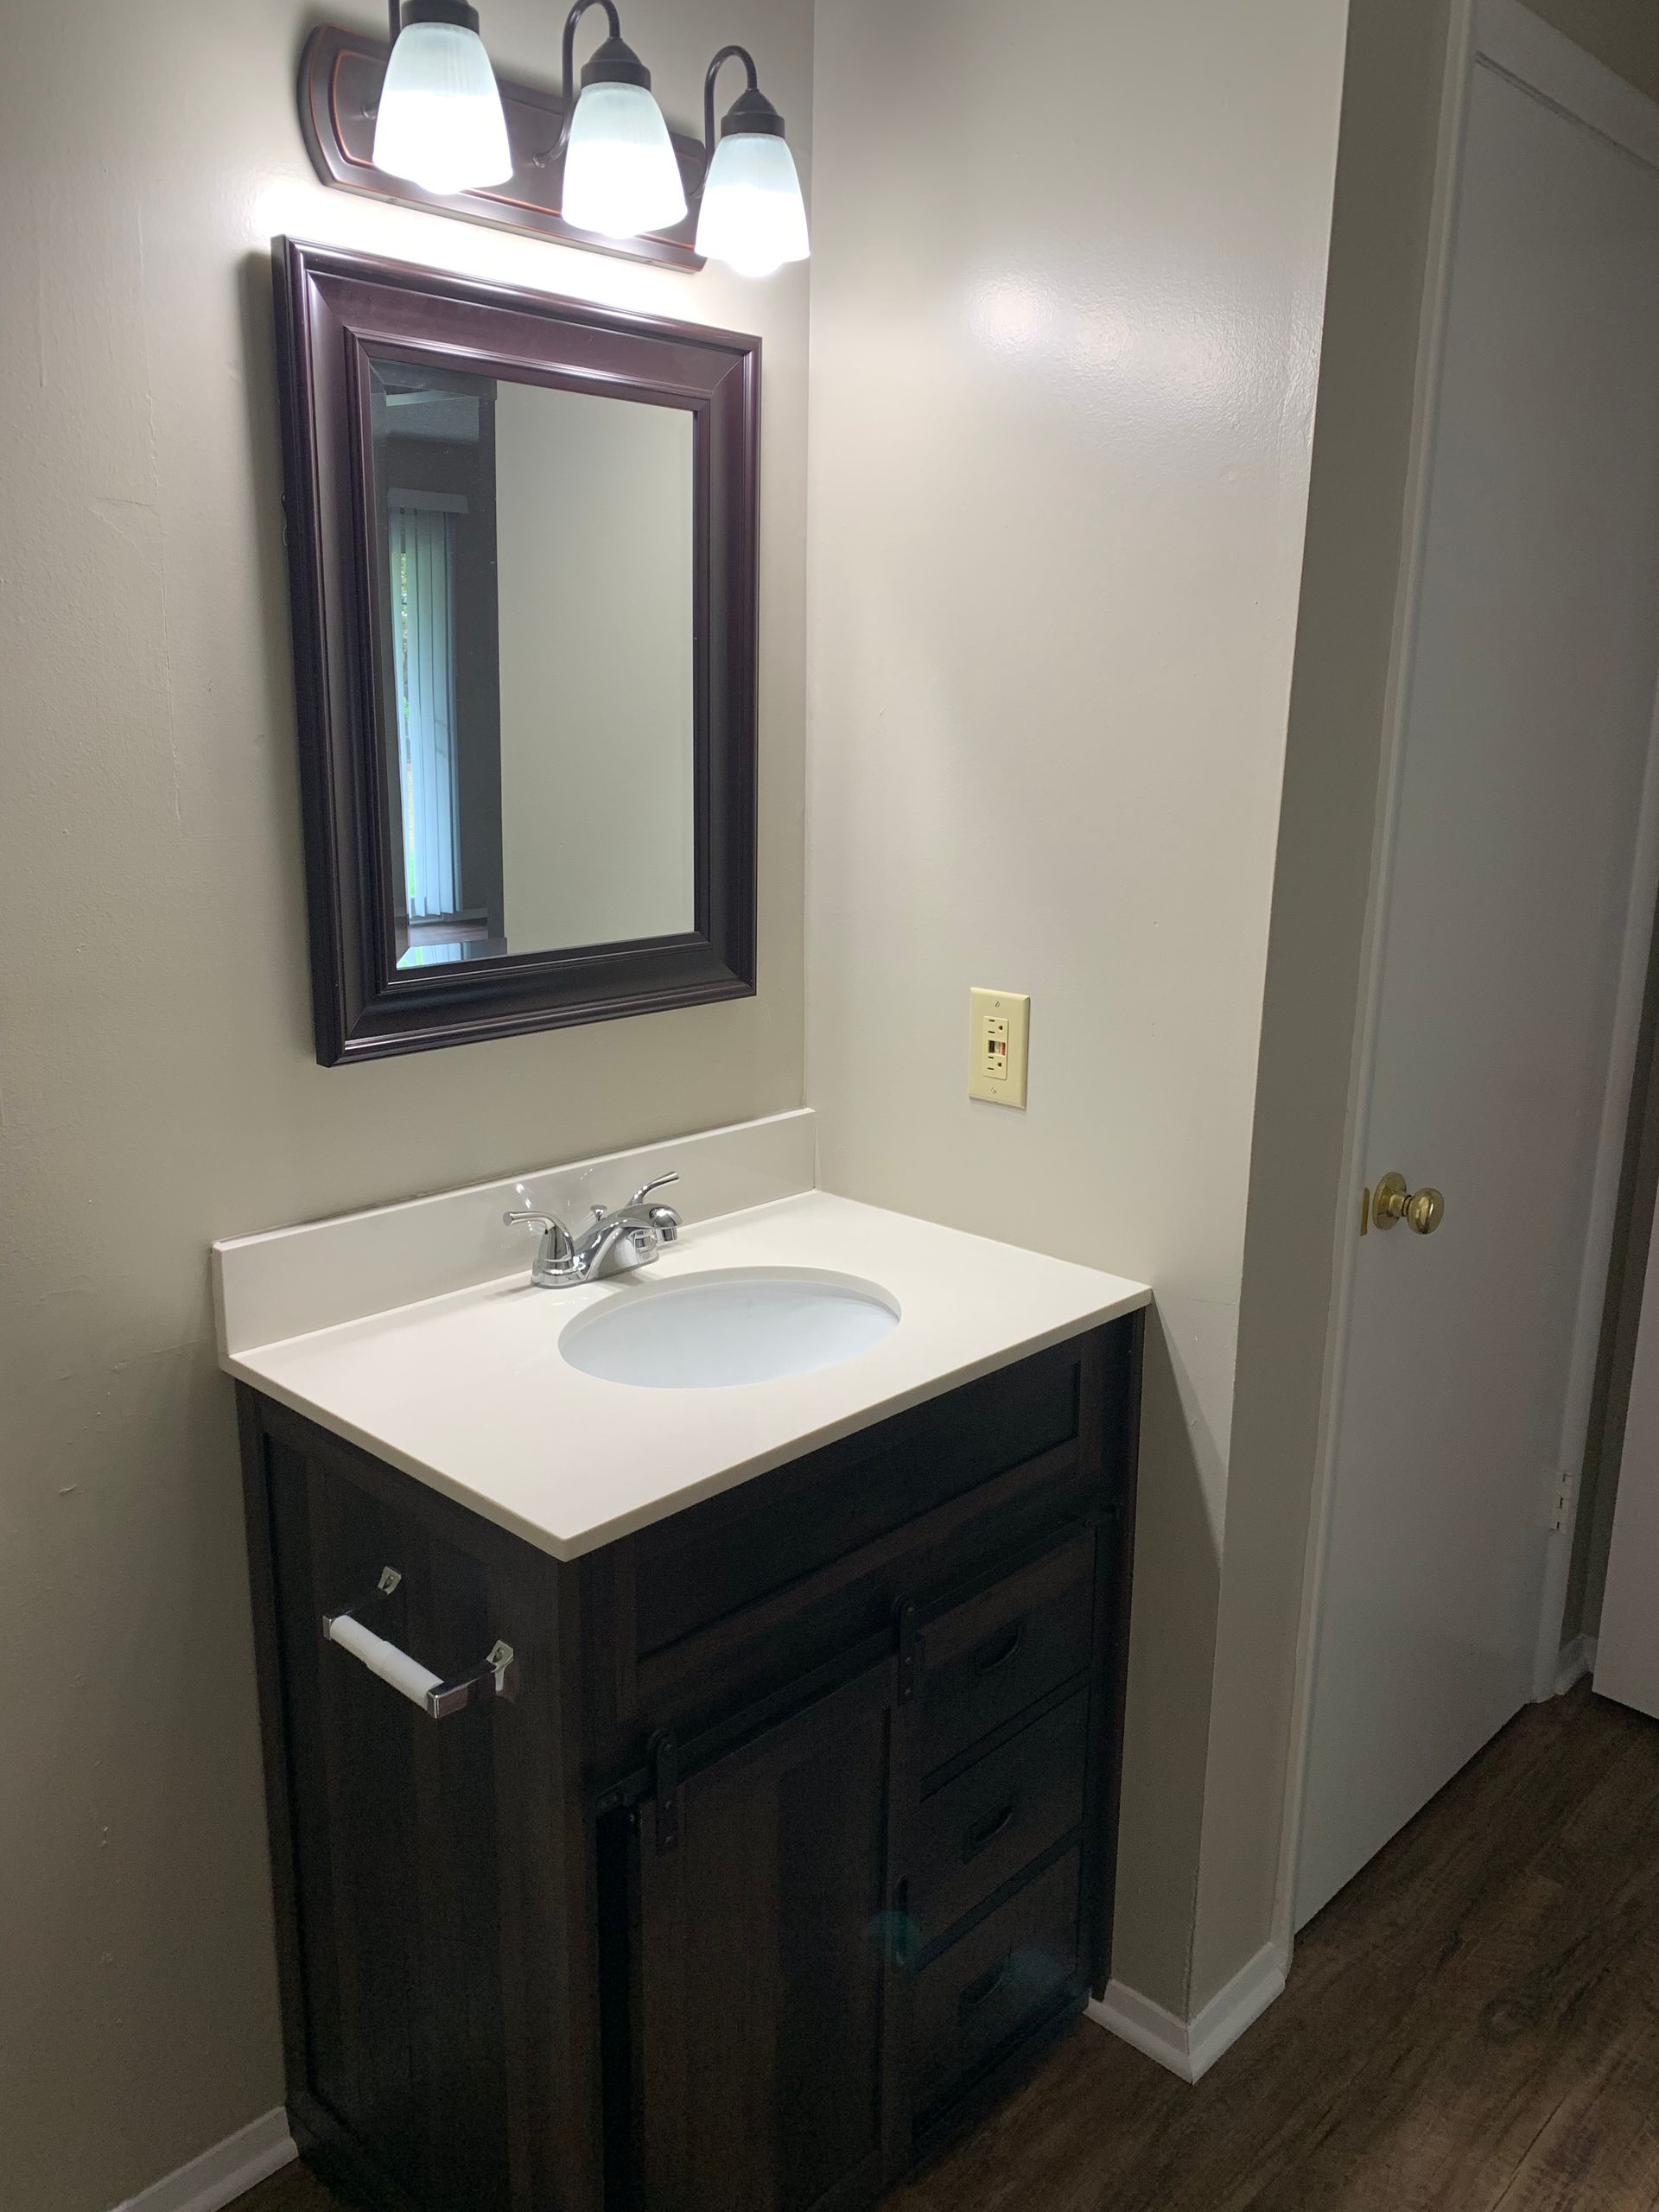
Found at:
[333, 310]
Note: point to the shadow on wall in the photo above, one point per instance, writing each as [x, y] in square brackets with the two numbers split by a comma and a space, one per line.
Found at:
[1633, 1223]
[1172, 1656]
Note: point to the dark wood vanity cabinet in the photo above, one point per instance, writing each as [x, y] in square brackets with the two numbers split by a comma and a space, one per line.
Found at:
[791, 1845]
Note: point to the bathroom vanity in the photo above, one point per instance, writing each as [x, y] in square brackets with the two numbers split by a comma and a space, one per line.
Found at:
[767, 1830]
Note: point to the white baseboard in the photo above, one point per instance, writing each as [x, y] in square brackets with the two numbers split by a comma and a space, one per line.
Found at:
[221, 2175]
[1578, 1659]
[1191, 2048]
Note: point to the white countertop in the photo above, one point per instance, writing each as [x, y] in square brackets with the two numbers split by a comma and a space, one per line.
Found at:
[466, 1391]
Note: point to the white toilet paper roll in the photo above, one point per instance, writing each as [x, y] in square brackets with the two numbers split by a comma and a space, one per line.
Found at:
[405, 1674]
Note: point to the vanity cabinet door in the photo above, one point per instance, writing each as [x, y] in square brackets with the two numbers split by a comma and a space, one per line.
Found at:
[393, 1816]
[435, 1907]
[764, 1978]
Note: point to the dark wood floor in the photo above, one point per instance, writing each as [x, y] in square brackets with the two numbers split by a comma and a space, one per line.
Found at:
[1472, 2025]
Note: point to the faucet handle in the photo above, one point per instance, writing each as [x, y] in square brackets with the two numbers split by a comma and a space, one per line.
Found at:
[556, 1250]
[657, 1183]
[527, 1211]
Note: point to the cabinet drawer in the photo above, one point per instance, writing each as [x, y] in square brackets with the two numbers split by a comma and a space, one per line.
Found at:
[985, 1659]
[978, 1830]
[1001, 1977]
[710, 1562]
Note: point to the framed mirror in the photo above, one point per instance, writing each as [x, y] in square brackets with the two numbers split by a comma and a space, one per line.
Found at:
[521, 541]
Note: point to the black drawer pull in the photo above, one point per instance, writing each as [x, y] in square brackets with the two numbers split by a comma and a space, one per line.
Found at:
[986, 1831]
[988, 1664]
[976, 1992]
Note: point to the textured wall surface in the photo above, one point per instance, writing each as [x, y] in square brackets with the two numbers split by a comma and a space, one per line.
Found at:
[1065, 327]
[157, 1087]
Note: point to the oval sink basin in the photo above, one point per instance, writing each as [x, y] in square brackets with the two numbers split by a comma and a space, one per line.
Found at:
[706, 1332]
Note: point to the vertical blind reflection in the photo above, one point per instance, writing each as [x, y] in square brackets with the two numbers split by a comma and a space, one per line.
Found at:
[423, 638]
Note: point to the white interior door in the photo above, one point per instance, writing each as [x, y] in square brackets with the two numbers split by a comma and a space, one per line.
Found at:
[1627, 1652]
[1505, 902]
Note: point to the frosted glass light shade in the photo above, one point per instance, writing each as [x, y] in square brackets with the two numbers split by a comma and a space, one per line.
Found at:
[440, 122]
[621, 176]
[754, 218]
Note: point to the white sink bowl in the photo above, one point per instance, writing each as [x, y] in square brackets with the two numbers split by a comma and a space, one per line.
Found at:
[740, 1324]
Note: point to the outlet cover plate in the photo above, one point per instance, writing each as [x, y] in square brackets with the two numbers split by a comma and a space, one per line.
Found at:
[999, 1028]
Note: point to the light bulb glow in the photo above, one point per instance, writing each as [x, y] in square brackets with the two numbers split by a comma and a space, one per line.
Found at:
[620, 175]
[754, 218]
[440, 122]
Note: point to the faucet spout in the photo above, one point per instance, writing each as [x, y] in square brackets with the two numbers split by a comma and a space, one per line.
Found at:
[603, 1238]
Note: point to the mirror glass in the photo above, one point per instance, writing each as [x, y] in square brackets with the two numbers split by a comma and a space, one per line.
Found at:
[536, 646]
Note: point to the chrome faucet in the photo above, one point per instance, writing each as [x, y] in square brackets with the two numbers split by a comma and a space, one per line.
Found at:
[614, 1242]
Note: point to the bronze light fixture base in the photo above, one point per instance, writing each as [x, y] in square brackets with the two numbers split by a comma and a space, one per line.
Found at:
[341, 75]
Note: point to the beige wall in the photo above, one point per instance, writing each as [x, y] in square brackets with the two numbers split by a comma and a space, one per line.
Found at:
[1380, 231]
[1385, 179]
[1065, 326]
[594, 583]
[157, 1087]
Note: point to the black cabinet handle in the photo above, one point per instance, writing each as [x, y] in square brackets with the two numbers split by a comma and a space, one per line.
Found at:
[976, 1992]
[987, 1662]
[982, 1831]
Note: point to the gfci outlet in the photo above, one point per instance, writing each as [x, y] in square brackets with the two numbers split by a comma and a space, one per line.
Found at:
[999, 1023]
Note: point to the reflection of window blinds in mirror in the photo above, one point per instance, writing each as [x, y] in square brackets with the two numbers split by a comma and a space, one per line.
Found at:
[423, 635]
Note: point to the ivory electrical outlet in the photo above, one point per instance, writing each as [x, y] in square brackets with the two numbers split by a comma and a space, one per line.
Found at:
[999, 1023]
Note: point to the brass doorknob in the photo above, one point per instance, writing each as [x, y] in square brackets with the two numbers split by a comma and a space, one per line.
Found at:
[1423, 1210]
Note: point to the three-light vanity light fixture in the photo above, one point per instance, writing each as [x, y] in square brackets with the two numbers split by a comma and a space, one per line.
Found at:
[440, 125]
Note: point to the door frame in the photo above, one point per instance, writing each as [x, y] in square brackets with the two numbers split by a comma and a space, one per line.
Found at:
[1505, 36]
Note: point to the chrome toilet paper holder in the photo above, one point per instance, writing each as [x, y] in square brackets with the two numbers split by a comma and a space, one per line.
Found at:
[438, 1697]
